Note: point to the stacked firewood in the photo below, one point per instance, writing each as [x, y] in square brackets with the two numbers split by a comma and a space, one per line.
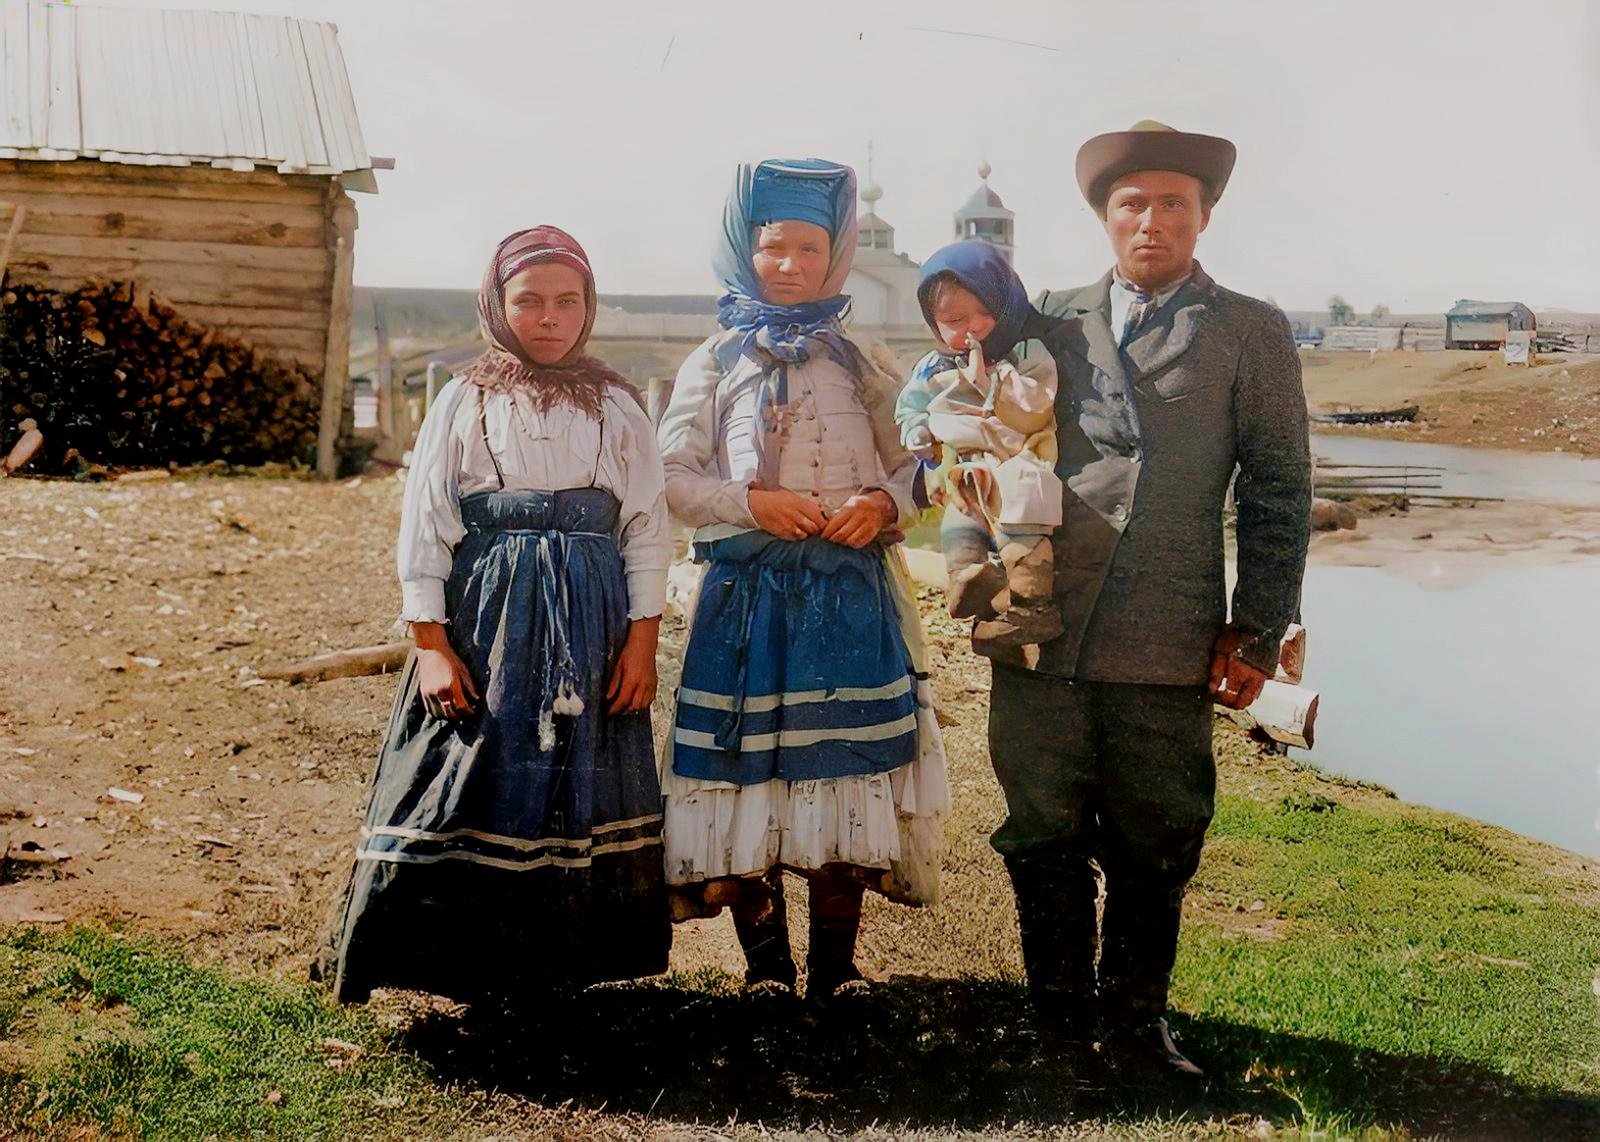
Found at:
[117, 379]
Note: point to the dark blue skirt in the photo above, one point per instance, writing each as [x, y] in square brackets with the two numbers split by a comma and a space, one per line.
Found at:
[520, 847]
[796, 667]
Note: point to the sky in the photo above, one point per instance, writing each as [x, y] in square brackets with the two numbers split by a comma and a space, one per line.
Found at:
[1397, 154]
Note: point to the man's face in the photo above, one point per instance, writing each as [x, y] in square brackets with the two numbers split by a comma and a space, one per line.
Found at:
[1154, 219]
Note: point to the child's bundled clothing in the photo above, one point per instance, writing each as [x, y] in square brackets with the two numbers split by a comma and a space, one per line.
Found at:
[999, 419]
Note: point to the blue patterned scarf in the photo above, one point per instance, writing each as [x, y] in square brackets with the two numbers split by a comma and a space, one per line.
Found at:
[771, 335]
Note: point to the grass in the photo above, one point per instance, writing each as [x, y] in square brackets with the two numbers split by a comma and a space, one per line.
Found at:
[1352, 966]
[130, 1037]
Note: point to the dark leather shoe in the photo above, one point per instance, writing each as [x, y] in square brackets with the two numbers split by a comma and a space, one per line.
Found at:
[835, 982]
[1146, 1052]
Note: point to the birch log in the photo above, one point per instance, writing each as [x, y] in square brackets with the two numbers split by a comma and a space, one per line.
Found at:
[1283, 713]
[357, 663]
[1292, 655]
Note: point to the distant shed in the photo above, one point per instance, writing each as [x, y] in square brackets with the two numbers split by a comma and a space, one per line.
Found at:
[1484, 324]
[204, 156]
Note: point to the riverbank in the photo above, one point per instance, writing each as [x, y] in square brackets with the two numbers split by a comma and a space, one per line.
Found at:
[1467, 398]
[1361, 960]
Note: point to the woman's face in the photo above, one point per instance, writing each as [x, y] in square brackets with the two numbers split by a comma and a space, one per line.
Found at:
[545, 308]
[961, 319]
[791, 259]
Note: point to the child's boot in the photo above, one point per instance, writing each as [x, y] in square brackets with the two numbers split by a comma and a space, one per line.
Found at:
[976, 577]
[1031, 617]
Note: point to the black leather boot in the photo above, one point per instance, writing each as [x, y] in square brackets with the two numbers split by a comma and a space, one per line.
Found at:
[1145, 1053]
[835, 922]
[1139, 944]
[762, 924]
[1056, 914]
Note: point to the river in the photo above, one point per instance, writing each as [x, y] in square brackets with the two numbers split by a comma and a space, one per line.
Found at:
[1475, 692]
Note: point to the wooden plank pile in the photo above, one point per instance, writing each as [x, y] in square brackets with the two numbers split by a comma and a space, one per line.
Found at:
[117, 378]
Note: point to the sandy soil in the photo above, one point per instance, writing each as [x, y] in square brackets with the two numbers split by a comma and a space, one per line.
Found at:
[1465, 398]
[1450, 544]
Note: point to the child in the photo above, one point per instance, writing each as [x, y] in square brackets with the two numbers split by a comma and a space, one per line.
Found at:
[513, 838]
[1001, 423]
[804, 736]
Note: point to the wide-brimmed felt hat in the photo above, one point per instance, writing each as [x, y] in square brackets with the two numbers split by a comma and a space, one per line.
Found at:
[1152, 146]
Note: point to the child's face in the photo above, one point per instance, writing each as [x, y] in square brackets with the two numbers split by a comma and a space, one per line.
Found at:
[791, 259]
[545, 308]
[960, 318]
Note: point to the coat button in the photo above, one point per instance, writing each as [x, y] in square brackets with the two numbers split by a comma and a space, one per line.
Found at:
[1121, 513]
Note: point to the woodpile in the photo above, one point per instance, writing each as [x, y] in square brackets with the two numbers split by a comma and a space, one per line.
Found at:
[117, 378]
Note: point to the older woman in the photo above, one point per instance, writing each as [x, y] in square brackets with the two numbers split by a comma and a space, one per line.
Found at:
[513, 838]
[804, 737]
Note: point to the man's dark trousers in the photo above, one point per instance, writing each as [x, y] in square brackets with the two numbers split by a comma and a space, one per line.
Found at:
[1121, 774]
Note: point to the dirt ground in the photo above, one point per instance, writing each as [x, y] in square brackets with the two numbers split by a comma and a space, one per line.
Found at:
[1465, 398]
[139, 615]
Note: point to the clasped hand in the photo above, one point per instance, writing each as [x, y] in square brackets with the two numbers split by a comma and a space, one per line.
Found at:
[789, 515]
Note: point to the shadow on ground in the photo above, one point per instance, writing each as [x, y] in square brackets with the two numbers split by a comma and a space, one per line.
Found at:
[939, 1054]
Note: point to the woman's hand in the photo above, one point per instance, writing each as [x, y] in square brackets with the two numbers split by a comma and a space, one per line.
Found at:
[632, 684]
[447, 689]
[785, 514]
[863, 516]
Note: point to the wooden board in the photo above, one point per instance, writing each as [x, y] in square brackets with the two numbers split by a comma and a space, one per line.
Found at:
[179, 280]
[241, 223]
[311, 262]
[90, 178]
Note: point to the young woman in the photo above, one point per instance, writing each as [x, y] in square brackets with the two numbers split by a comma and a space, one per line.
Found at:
[513, 840]
[804, 736]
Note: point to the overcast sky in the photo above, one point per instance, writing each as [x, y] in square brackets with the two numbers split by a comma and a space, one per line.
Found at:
[1399, 153]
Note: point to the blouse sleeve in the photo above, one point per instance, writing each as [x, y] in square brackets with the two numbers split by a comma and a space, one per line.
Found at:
[644, 531]
[430, 517]
[696, 492]
[878, 395]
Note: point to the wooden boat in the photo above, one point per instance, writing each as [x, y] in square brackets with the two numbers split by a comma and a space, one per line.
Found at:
[1365, 416]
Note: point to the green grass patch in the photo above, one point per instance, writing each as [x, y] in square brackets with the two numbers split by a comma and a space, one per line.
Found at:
[130, 1037]
[1381, 962]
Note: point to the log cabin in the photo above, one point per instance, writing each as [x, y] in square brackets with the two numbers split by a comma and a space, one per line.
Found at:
[205, 157]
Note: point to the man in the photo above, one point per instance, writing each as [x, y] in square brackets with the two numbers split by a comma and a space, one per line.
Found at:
[1169, 384]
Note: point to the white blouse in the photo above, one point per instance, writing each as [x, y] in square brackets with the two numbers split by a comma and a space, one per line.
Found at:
[839, 438]
[561, 448]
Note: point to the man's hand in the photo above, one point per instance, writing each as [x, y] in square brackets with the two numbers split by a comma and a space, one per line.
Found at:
[632, 685]
[785, 514]
[863, 516]
[446, 684]
[1234, 682]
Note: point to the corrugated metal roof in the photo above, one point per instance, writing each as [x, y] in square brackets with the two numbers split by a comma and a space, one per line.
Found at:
[174, 88]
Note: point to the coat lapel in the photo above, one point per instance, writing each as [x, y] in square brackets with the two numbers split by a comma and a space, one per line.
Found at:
[1172, 330]
[1092, 306]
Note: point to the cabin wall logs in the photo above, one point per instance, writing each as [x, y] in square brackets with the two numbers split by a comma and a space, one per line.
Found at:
[245, 253]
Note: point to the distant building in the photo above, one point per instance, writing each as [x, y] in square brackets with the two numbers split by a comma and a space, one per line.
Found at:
[985, 216]
[1484, 324]
[883, 283]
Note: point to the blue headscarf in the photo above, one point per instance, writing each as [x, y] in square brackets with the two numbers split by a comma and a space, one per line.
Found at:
[780, 190]
[983, 270]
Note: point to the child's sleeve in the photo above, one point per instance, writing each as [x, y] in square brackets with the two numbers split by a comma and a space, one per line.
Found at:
[430, 515]
[696, 492]
[644, 531]
[911, 406]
